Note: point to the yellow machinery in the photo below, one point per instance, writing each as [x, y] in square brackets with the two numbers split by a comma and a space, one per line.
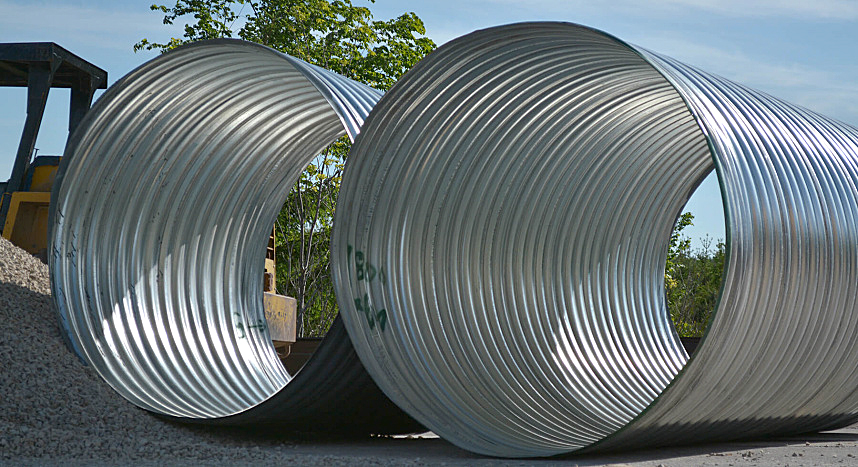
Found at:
[26, 223]
[280, 310]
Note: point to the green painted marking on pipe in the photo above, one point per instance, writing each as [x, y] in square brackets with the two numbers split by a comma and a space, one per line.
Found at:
[363, 269]
[372, 315]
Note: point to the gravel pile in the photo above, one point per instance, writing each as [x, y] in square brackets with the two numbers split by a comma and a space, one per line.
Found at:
[56, 411]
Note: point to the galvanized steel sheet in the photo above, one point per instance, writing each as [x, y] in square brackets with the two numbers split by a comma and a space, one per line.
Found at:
[501, 236]
[164, 203]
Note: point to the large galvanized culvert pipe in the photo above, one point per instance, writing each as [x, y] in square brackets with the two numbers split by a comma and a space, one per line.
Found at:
[165, 200]
[501, 237]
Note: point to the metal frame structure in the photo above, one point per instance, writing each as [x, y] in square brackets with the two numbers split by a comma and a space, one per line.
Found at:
[40, 66]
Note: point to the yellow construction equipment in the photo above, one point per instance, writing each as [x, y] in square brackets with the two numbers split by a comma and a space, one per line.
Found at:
[280, 310]
[26, 223]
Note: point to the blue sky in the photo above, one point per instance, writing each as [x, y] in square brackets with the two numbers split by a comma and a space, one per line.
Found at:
[802, 51]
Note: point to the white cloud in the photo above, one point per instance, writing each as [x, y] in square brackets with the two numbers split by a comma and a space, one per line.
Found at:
[736, 65]
[801, 9]
[825, 9]
[831, 94]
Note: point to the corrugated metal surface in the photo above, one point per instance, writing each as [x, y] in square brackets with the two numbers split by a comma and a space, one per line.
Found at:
[780, 355]
[168, 192]
[502, 231]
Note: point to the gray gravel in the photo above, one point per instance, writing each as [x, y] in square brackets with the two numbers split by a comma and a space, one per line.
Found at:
[53, 408]
[56, 411]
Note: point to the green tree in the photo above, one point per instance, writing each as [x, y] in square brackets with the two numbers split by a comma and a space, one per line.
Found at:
[335, 35]
[692, 279]
[214, 19]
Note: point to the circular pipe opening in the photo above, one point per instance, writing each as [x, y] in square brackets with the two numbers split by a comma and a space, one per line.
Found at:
[517, 190]
[695, 263]
[168, 193]
[520, 213]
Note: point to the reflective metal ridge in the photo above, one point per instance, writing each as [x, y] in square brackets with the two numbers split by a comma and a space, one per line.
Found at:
[165, 200]
[501, 236]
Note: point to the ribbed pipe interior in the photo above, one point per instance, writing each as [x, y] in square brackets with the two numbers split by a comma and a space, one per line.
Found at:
[778, 357]
[515, 197]
[168, 195]
[498, 251]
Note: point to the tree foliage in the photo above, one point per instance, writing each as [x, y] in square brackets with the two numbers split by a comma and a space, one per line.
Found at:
[336, 35]
[214, 19]
[332, 34]
[692, 279]
[303, 236]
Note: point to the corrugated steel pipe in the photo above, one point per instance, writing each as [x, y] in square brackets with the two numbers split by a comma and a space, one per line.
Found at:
[501, 236]
[164, 203]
